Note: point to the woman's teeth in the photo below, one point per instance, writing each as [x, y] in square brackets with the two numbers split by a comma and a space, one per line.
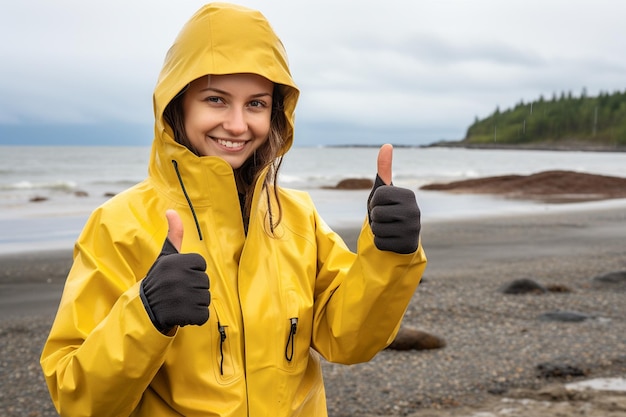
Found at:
[230, 144]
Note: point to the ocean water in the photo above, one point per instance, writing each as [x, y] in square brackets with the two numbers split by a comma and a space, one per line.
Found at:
[72, 181]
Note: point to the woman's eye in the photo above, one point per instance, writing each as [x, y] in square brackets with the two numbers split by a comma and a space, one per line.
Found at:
[257, 103]
[213, 99]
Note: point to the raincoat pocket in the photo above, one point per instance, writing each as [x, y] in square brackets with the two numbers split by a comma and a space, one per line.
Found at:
[294, 352]
[224, 363]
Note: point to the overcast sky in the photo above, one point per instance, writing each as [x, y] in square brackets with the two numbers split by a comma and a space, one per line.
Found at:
[411, 71]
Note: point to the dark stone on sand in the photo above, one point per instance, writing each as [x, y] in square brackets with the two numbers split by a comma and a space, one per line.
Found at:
[558, 288]
[559, 370]
[80, 193]
[611, 280]
[109, 194]
[38, 199]
[523, 286]
[564, 316]
[413, 339]
[353, 184]
[497, 389]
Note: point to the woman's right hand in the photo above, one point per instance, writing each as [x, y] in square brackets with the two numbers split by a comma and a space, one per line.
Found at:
[175, 292]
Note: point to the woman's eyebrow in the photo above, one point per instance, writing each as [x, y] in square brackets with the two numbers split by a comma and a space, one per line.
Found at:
[226, 93]
[217, 90]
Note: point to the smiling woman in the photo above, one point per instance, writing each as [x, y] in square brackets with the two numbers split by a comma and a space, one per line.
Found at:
[227, 116]
[231, 116]
[220, 290]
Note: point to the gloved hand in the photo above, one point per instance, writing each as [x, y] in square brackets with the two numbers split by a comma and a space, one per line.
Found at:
[175, 292]
[393, 212]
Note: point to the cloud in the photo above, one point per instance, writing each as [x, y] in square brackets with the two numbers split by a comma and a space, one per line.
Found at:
[412, 68]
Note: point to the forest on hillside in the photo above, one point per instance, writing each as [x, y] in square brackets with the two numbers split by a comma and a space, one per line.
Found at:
[562, 119]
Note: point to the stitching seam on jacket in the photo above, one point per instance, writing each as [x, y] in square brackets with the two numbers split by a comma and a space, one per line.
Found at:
[182, 185]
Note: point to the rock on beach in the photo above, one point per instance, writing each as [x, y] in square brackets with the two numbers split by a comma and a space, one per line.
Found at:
[548, 186]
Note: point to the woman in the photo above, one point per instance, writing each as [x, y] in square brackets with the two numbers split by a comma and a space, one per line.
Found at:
[139, 333]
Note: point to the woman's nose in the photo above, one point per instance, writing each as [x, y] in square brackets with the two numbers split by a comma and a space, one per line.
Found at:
[235, 121]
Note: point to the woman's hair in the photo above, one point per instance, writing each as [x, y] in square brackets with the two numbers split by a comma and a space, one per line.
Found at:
[267, 155]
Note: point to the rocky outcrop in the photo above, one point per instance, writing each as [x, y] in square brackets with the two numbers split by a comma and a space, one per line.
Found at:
[547, 186]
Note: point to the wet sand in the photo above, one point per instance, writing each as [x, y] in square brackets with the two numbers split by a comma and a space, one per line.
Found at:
[494, 341]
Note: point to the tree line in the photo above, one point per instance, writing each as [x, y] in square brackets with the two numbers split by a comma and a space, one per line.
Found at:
[597, 120]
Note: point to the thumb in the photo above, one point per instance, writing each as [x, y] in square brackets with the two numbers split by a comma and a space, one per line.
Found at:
[175, 228]
[384, 163]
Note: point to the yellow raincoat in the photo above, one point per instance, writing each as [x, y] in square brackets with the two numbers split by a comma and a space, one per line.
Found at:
[278, 302]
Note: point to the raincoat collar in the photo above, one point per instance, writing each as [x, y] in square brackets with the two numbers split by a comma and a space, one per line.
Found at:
[198, 178]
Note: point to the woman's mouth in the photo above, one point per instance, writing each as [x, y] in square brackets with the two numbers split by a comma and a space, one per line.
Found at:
[231, 145]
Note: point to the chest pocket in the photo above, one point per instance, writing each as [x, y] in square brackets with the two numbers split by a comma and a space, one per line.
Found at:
[224, 338]
[295, 326]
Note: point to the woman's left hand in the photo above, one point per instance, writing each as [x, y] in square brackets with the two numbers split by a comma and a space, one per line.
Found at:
[394, 215]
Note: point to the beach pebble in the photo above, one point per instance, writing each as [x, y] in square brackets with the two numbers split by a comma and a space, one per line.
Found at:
[559, 370]
[564, 316]
[523, 286]
[354, 184]
[413, 339]
[611, 280]
[38, 199]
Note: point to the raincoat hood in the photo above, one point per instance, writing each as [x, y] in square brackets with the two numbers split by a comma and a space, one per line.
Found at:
[219, 39]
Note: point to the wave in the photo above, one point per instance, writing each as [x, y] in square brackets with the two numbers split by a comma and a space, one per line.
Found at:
[123, 183]
[311, 181]
[29, 185]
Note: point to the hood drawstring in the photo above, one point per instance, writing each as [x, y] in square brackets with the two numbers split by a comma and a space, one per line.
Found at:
[182, 185]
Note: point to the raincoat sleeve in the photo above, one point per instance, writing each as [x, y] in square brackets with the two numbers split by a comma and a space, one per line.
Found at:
[360, 300]
[102, 351]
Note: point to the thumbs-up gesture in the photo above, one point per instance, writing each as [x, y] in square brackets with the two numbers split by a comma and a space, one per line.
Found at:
[393, 212]
[175, 291]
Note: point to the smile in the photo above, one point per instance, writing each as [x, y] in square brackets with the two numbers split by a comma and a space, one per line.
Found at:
[231, 145]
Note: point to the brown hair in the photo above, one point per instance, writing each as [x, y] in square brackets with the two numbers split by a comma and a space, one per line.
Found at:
[268, 155]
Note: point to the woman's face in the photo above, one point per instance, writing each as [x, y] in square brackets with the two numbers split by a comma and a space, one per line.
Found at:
[228, 115]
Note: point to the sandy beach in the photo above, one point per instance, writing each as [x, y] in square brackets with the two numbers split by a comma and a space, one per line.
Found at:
[502, 357]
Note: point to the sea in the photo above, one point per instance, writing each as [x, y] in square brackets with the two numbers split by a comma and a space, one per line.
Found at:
[47, 193]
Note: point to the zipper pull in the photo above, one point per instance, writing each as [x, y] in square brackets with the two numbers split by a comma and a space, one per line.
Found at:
[222, 330]
[291, 339]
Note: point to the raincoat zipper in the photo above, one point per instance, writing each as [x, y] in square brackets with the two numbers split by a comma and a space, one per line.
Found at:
[222, 330]
[289, 348]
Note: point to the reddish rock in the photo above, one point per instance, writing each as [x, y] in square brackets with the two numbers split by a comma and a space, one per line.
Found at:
[353, 184]
[548, 186]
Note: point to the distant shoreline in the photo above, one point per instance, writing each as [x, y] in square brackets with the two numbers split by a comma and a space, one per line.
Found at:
[567, 147]
[562, 147]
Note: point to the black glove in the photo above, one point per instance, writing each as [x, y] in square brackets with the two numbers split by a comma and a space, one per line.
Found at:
[394, 218]
[175, 291]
